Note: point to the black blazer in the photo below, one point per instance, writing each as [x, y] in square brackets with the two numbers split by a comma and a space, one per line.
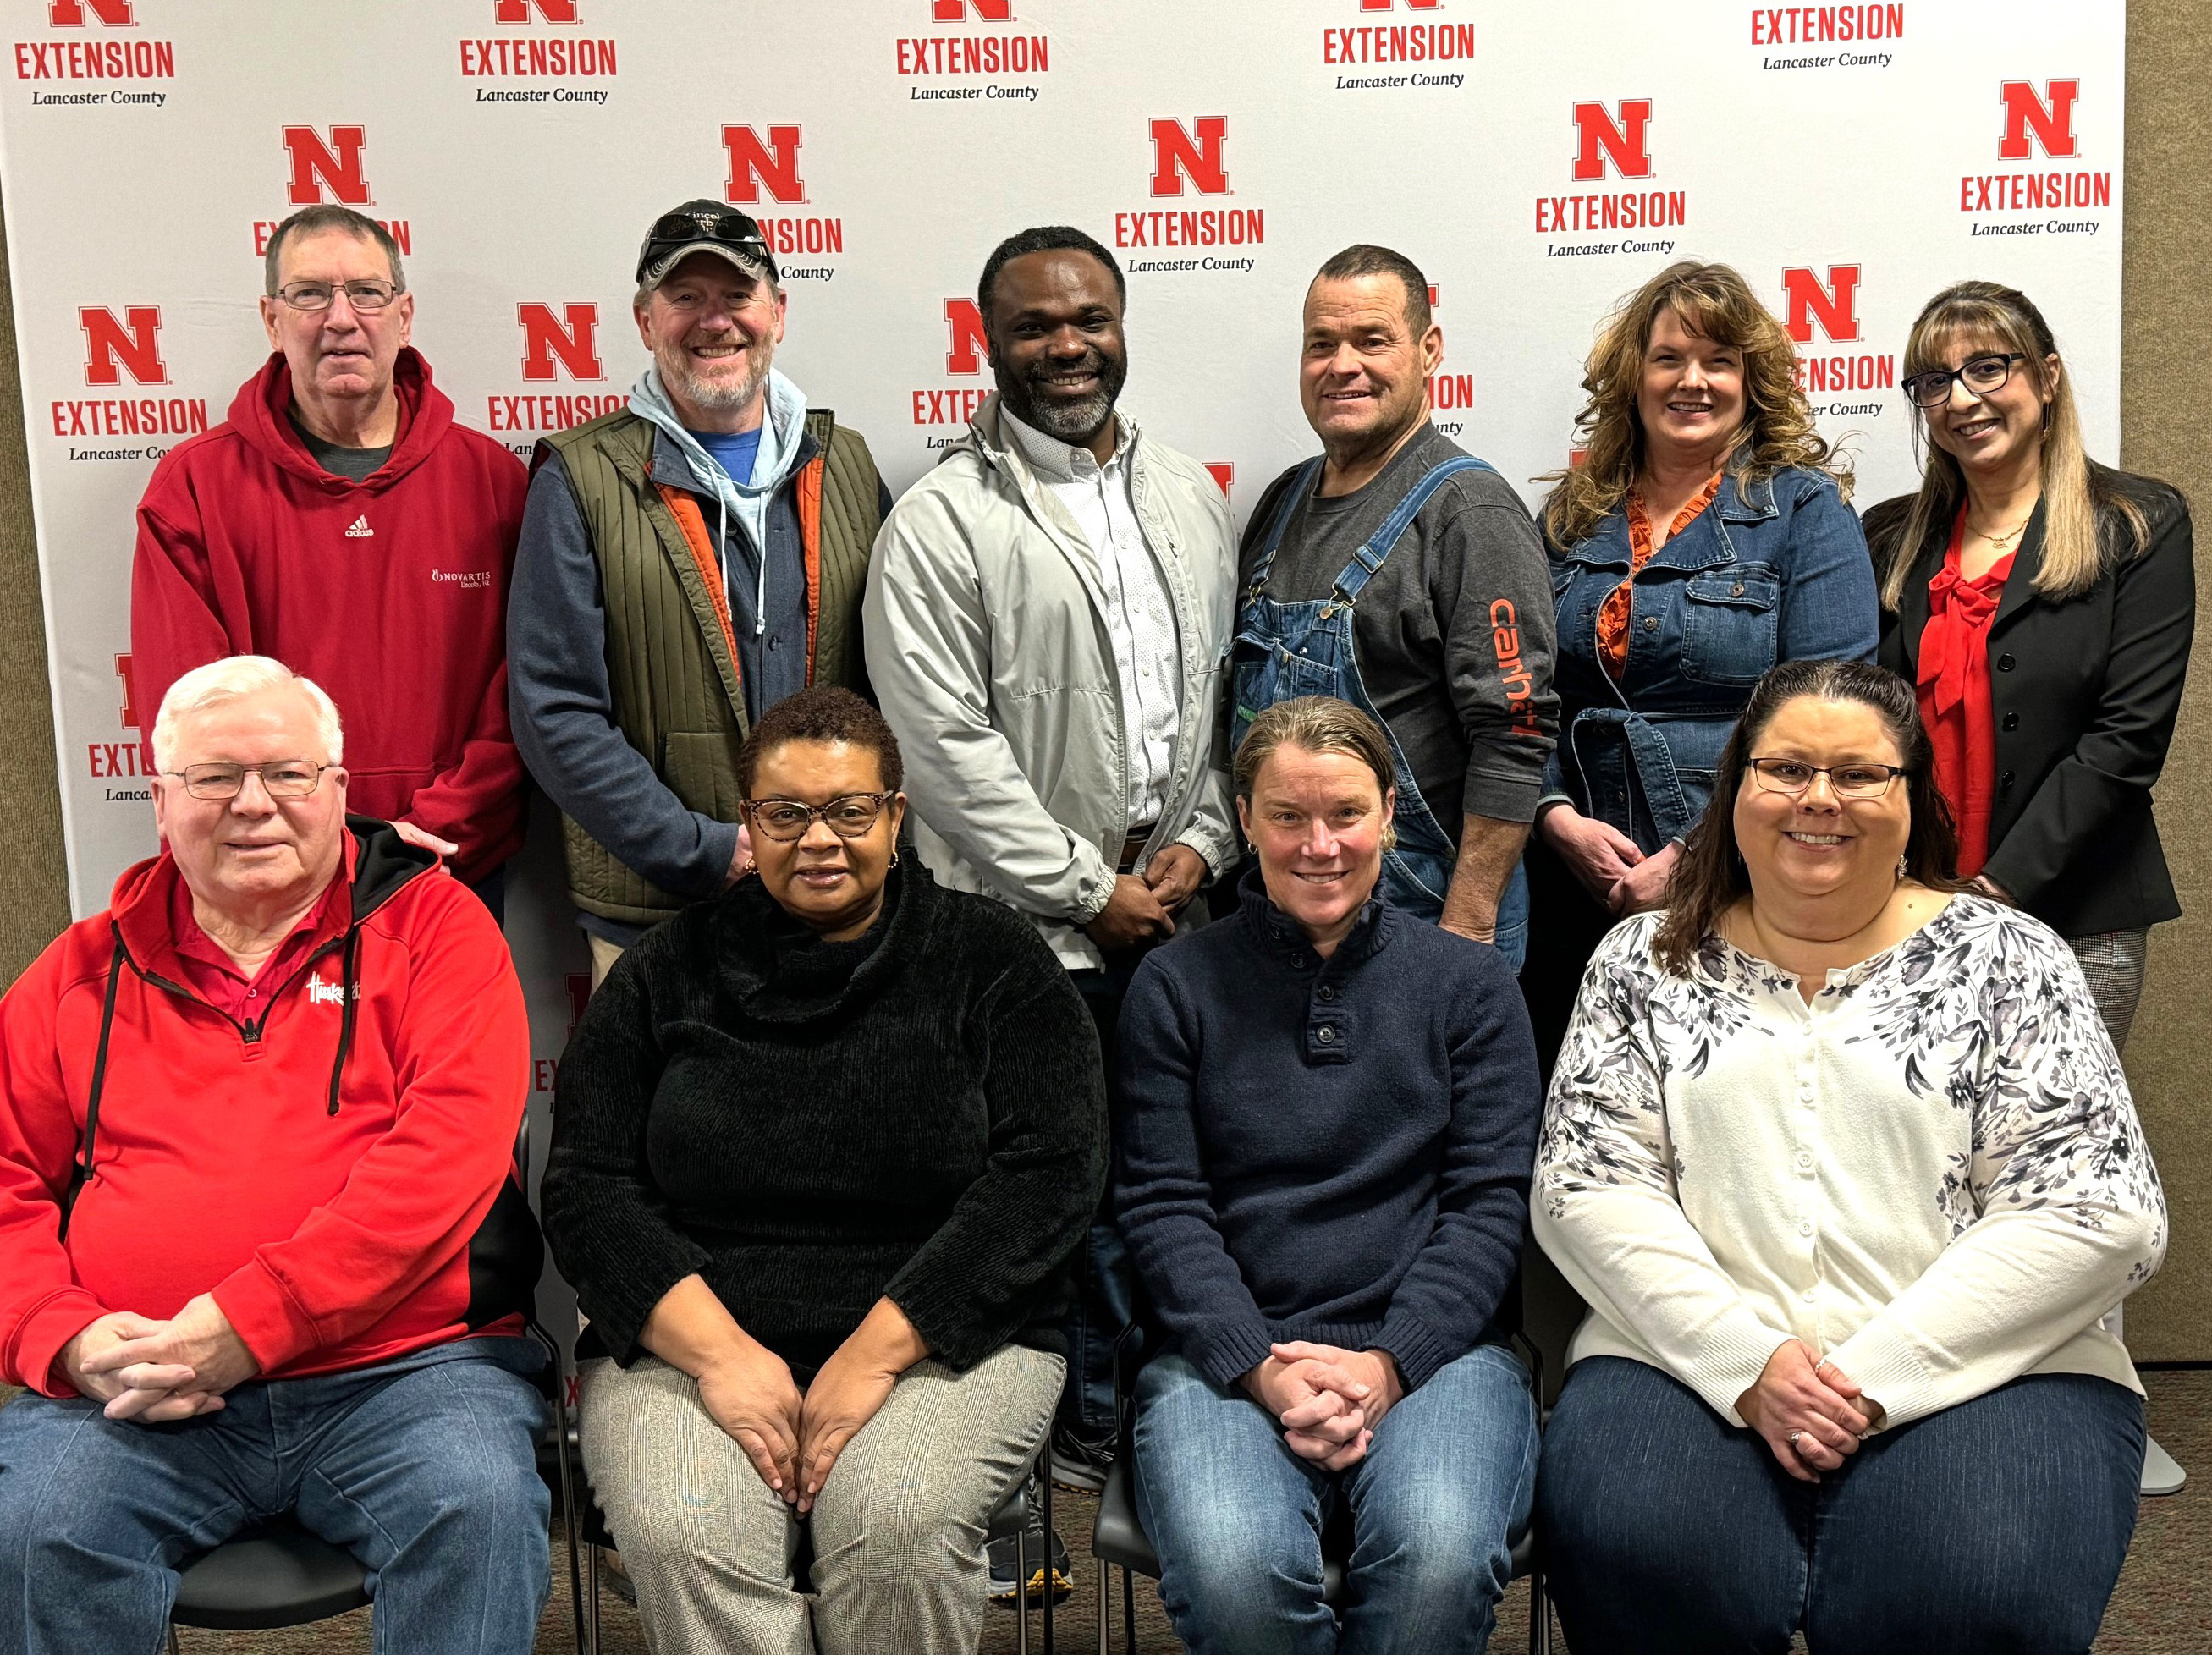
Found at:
[2084, 695]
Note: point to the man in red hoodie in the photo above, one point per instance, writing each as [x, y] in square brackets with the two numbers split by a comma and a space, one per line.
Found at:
[257, 1122]
[341, 522]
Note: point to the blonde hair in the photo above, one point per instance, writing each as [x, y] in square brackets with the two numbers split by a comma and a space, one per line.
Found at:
[230, 679]
[1317, 724]
[1715, 302]
[2073, 556]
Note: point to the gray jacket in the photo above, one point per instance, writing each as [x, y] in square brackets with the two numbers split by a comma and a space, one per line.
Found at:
[988, 647]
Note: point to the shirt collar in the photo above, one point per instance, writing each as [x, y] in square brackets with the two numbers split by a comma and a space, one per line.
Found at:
[1059, 462]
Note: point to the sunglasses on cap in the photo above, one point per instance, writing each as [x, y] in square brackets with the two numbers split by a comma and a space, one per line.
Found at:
[736, 231]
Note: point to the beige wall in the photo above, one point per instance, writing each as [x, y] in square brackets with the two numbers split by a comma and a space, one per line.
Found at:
[2169, 251]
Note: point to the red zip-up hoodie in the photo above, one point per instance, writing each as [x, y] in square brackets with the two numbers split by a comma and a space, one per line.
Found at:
[321, 1170]
[390, 593]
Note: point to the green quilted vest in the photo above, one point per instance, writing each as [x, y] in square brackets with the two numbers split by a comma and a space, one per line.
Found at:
[669, 664]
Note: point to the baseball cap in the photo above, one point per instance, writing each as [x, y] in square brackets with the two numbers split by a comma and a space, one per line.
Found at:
[703, 226]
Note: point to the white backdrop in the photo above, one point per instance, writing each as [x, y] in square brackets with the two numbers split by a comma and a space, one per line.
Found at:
[1850, 159]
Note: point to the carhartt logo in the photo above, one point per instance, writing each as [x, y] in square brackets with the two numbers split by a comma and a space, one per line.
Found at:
[320, 993]
[132, 346]
[335, 166]
[1832, 306]
[2051, 118]
[573, 342]
[69, 13]
[1625, 141]
[759, 162]
[969, 343]
[359, 529]
[1192, 155]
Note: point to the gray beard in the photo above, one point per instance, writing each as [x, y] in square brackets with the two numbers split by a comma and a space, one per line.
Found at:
[1073, 422]
[675, 373]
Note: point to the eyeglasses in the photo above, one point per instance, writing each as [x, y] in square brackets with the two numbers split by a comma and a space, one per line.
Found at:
[850, 815]
[1981, 375]
[281, 778]
[1850, 781]
[317, 295]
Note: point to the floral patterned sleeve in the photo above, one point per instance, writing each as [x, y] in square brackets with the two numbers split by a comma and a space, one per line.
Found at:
[2057, 1213]
[1605, 1205]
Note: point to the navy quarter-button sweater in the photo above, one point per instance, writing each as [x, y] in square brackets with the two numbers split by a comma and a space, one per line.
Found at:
[1335, 1150]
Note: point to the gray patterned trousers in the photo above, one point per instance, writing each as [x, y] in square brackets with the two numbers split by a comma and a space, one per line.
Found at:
[2113, 962]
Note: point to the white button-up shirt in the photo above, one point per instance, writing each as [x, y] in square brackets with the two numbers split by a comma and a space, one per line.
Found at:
[1140, 617]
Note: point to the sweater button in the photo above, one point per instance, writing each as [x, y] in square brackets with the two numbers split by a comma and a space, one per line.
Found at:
[1325, 1034]
[2012, 721]
[1299, 960]
[1327, 992]
[2004, 663]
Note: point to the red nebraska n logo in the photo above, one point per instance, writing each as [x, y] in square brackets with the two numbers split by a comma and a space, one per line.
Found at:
[518, 11]
[1194, 156]
[69, 13]
[129, 692]
[1835, 305]
[756, 163]
[2050, 117]
[132, 345]
[1410, 5]
[1627, 141]
[335, 166]
[574, 341]
[954, 11]
[970, 345]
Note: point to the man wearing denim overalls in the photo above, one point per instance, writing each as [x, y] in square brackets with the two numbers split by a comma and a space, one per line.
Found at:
[1399, 572]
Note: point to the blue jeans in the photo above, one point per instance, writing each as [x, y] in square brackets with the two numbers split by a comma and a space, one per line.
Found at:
[1997, 1525]
[1434, 1508]
[425, 1468]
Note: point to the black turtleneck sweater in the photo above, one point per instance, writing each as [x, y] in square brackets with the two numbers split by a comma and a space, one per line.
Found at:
[918, 1114]
[1335, 1150]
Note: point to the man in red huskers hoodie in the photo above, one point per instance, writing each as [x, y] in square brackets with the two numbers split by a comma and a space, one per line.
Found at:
[341, 522]
[251, 1120]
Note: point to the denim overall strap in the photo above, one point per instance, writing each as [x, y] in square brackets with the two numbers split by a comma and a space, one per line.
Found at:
[1377, 551]
[1284, 507]
[1655, 766]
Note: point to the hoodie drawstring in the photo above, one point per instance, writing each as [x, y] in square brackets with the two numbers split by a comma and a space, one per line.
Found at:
[81, 1173]
[349, 996]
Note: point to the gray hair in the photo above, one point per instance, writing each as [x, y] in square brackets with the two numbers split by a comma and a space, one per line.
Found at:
[327, 215]
[230, 679]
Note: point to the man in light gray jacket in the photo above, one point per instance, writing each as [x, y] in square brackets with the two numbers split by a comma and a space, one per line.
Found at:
[1047, 616]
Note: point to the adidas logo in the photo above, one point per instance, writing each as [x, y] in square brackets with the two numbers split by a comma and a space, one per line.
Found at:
[359, 530]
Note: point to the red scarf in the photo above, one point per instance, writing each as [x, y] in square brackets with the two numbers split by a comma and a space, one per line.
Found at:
[1954, 693]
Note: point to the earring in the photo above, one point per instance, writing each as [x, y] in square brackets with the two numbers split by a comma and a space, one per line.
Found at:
[1901, 869]
[894, 856]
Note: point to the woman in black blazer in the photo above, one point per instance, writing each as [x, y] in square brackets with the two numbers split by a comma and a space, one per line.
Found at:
[2043, 605]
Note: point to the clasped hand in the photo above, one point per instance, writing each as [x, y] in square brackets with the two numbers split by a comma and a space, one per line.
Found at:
[153, 1371]
[1808, 1411]
[1329, 1400]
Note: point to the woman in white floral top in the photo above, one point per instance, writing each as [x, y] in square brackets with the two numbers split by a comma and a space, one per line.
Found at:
[1842, 1158]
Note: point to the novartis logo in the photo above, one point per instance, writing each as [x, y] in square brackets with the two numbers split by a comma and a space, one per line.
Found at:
[473, 580]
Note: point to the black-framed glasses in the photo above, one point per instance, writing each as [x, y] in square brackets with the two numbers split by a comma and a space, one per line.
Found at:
[850, 815]
[1849, 781]
[731, 229]
[281, 778]
[370, 296]
[1979, 374]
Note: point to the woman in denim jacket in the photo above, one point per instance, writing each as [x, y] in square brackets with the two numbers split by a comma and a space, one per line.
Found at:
[1703, 539]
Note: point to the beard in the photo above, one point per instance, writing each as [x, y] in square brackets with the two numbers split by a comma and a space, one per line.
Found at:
[720, 394]
[1056, 416]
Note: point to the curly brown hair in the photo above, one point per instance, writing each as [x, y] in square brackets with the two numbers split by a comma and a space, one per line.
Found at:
[1716, 303]
[822, 712]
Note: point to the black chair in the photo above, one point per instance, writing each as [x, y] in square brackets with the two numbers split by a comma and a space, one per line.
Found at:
[277, 1574]
[1119, 1540]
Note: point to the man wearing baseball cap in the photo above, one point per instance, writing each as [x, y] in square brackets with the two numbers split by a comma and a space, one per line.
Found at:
[684, 564]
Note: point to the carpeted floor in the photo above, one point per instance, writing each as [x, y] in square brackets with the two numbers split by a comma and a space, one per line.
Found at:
[2163, 1606]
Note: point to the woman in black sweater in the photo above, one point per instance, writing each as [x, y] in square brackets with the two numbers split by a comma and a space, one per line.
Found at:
[1325, 1115]
[822, 1149]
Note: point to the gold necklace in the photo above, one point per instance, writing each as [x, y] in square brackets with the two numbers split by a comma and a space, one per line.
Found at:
[2003, 542]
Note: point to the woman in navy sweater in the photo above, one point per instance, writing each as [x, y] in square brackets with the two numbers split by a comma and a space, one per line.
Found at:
[1324, 1119]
